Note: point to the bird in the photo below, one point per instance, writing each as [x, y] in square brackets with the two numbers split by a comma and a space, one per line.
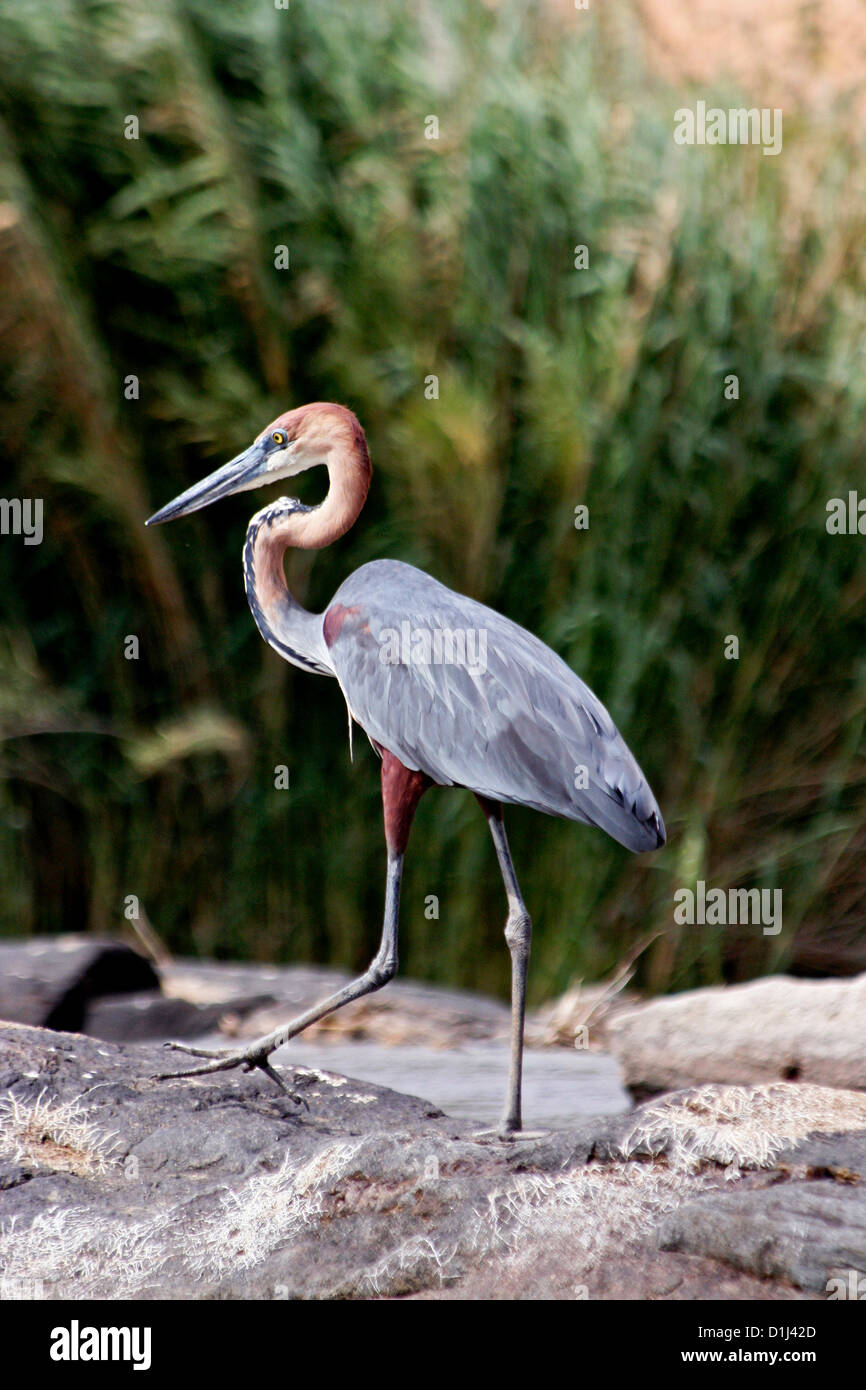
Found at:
[449, 692]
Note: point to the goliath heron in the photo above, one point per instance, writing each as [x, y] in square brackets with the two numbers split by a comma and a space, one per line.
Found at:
[518, 726]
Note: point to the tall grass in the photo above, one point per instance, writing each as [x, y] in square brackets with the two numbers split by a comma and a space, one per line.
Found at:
[155, 257]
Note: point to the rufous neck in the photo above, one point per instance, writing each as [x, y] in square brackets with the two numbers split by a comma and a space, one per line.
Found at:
[285, 524]
[349, 482]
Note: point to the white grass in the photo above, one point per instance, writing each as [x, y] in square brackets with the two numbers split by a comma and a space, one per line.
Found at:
[54, 1135]
[741, 1127]
[266, 1213]
[571, 1220]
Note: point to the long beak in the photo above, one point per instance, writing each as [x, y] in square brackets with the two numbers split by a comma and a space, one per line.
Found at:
[235, 476]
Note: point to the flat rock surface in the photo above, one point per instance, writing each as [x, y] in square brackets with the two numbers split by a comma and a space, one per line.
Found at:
[468, 1082]
[449, 1044]
[115, 1185]
[802, 1030]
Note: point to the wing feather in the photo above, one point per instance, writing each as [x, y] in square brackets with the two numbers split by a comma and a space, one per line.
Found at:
[515, 724]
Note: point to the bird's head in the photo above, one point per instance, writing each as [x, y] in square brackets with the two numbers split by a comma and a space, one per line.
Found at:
[297, 440]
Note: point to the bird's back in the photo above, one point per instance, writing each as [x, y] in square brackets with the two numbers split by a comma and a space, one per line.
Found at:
[461, 693]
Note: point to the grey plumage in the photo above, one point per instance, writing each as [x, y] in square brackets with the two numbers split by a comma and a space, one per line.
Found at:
[518, 731]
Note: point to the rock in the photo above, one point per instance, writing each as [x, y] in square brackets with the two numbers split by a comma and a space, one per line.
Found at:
[104, 988]
[50, 981]
[800, 1030]
[134, 1017]
[802, 1215]
[118, 1185]
[640, 1275]
[406, 1012]
[801, 1232]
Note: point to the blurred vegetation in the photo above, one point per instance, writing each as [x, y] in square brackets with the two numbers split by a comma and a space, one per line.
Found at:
[409, 256]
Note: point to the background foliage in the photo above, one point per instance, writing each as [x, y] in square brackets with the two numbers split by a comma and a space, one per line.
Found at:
[410, 256]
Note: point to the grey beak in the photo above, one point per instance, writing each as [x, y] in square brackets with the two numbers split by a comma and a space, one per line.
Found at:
[235, 476]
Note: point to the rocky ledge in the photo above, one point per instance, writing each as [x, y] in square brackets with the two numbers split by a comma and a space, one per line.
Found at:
[115, 1185]
[779, 1027]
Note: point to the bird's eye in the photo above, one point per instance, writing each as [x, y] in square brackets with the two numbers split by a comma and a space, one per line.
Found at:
[278, 437]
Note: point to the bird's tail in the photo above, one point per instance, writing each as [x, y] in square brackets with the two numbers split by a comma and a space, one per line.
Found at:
[630, 814]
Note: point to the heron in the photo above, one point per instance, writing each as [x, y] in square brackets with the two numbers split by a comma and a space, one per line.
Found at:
[517, 727]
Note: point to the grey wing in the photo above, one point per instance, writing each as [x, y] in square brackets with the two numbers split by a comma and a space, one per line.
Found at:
[484, 705]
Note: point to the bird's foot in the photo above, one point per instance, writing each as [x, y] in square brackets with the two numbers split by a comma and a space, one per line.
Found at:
[505, 1135]
[249, 1059]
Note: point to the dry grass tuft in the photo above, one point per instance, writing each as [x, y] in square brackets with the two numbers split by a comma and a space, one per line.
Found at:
[741, 1127]
[54, 1135]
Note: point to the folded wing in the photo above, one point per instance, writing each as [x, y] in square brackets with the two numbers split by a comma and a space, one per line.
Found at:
[459, 692]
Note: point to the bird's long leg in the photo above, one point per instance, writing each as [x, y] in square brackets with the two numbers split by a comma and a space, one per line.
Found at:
[518, 934]
[401, 792]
